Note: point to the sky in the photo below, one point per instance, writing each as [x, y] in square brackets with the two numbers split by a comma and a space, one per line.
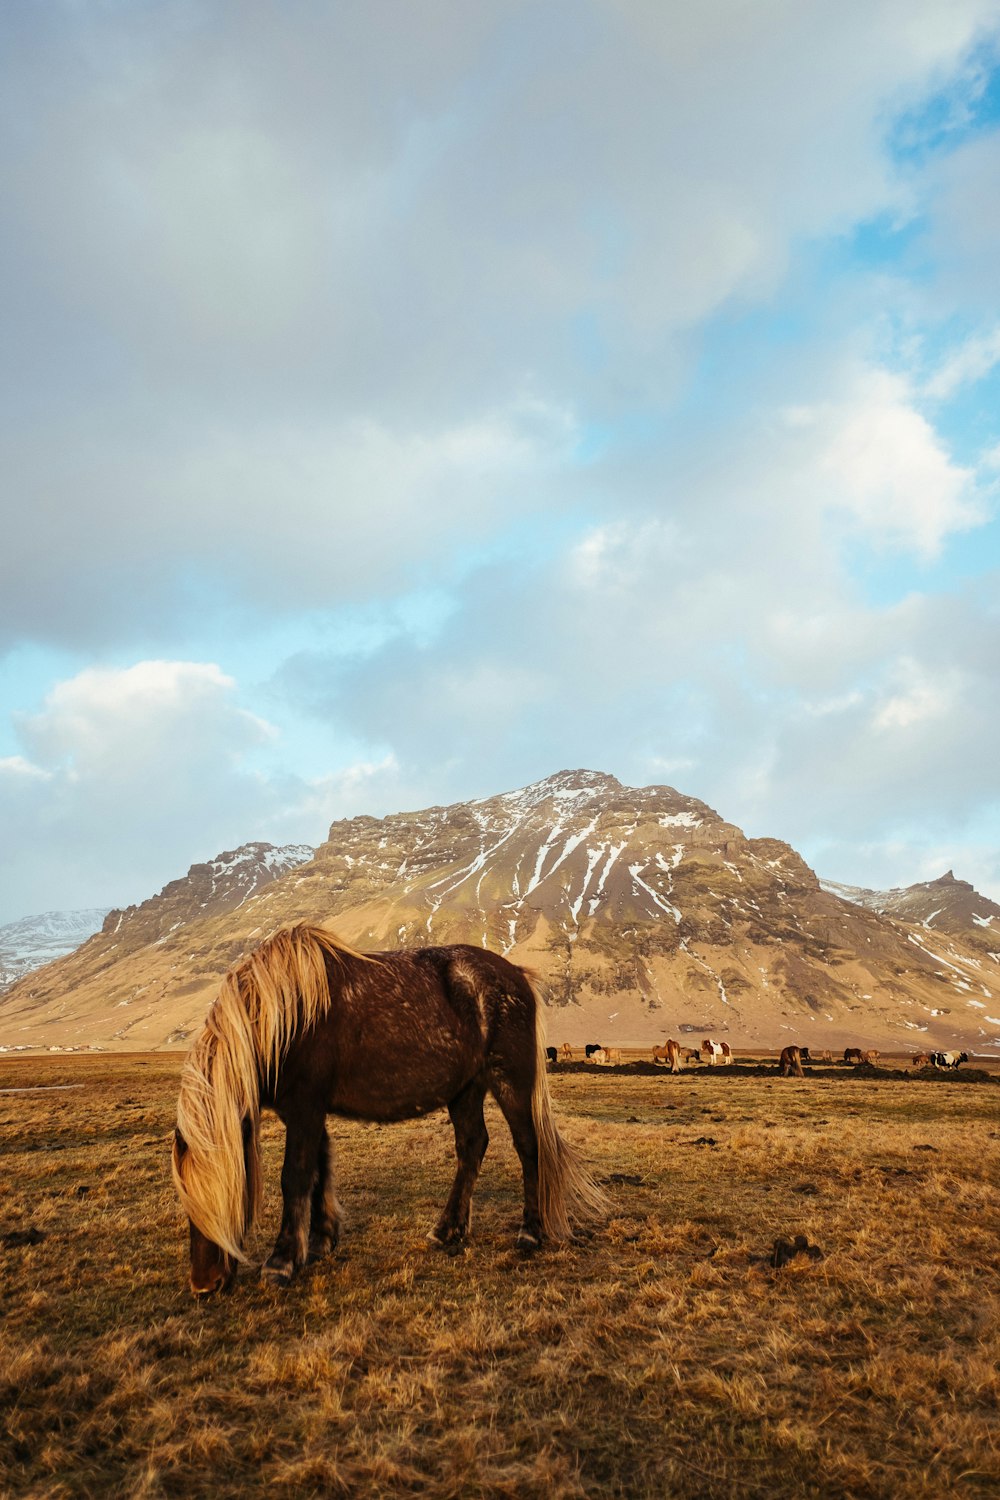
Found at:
[400, 403]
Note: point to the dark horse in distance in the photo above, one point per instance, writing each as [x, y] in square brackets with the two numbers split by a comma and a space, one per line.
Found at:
[308, 1027]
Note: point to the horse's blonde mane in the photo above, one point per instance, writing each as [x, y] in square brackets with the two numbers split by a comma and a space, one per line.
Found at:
[275, 993]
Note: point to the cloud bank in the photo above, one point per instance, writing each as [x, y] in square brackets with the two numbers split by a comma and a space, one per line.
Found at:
[402, 402]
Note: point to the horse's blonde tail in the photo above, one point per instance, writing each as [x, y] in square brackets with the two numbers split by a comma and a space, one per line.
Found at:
[567, 1193]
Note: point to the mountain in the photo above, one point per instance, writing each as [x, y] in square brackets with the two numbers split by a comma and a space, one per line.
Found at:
[944, 905]
[33, 941]
[207, 890]
[102, 943]
[642, 911]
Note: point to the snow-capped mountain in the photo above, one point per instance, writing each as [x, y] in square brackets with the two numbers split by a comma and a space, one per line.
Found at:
[220, 885]
[945, 904]
[642, 910]
[33, 941]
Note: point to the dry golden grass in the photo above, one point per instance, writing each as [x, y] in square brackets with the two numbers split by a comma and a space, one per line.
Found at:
[661, 1358]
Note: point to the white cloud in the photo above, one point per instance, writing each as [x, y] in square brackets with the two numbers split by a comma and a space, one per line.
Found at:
[891, 471]
[129, 776]
[976, 357]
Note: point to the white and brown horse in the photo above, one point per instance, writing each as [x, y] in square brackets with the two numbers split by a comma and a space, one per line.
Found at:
[303, 1026]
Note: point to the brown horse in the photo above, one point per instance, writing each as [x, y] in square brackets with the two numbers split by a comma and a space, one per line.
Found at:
[670, 1053]
[301, 1026]
[790, 1062]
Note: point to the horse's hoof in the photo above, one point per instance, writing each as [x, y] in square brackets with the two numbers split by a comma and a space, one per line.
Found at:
[279, 1275]
[450, 1240]
[528, 1243]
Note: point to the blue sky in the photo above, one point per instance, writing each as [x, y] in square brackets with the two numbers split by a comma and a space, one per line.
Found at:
[403, 403]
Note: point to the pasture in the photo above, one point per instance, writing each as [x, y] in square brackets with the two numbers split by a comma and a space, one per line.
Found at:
[666, 1356]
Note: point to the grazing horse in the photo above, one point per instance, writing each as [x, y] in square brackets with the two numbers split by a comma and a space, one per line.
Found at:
[551, 1054]
[304, 1026]
[670, 1053]
[871, 1058]
[591, 1048]
[948, 1059]
[921, 1060]
[597, 1054]
[852, 1054]
[690, 1055]
[567, 1052]
[824, 1057]
[790, 1062]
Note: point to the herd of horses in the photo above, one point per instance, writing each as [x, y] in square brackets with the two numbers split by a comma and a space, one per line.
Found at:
[789, 1062]
[303, 1026]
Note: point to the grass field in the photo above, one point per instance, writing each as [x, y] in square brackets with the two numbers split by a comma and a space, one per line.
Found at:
[664, 1357]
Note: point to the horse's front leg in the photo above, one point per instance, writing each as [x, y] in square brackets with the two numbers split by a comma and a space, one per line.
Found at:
[327, 1215]
[303, 1134]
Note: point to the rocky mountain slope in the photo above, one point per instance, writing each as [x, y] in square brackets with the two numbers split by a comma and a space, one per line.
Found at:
[34, 941]
[643, 912]
[943, 905]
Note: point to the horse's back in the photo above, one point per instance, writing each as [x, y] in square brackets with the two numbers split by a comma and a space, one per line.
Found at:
[406, 1031]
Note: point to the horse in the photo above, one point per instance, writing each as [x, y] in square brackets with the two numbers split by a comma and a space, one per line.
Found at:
[948, 1059]
[567, 1052]
[715, 1050]
[871, 1058]
[551, 1055]
[920, 1060]
[852, 1054]
[690, 1055]
[790, 1062]
[591, 1048]
[670, 1053]
[597, 1054]
[302, 1026]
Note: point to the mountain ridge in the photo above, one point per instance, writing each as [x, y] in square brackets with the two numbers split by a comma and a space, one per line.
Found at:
[642, 910]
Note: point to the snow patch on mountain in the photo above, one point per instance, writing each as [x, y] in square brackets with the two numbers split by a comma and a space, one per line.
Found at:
[29, 943]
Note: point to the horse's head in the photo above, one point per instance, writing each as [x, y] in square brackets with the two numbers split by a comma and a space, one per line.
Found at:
[212, 1270]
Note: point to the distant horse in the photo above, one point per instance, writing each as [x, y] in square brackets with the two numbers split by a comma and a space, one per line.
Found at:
[690, 1055]
[714, 1050]
[871, 1058]
[670, 1053]
[308, 1027]
[852, 1054]
[567, 1052]
[948, 1059]
[551, 1055]
[790, 1062]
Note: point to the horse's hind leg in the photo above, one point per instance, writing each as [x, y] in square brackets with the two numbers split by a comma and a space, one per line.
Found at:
[516, 1107]
[303, 1133]
[327, 1215]
[471, 1140]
